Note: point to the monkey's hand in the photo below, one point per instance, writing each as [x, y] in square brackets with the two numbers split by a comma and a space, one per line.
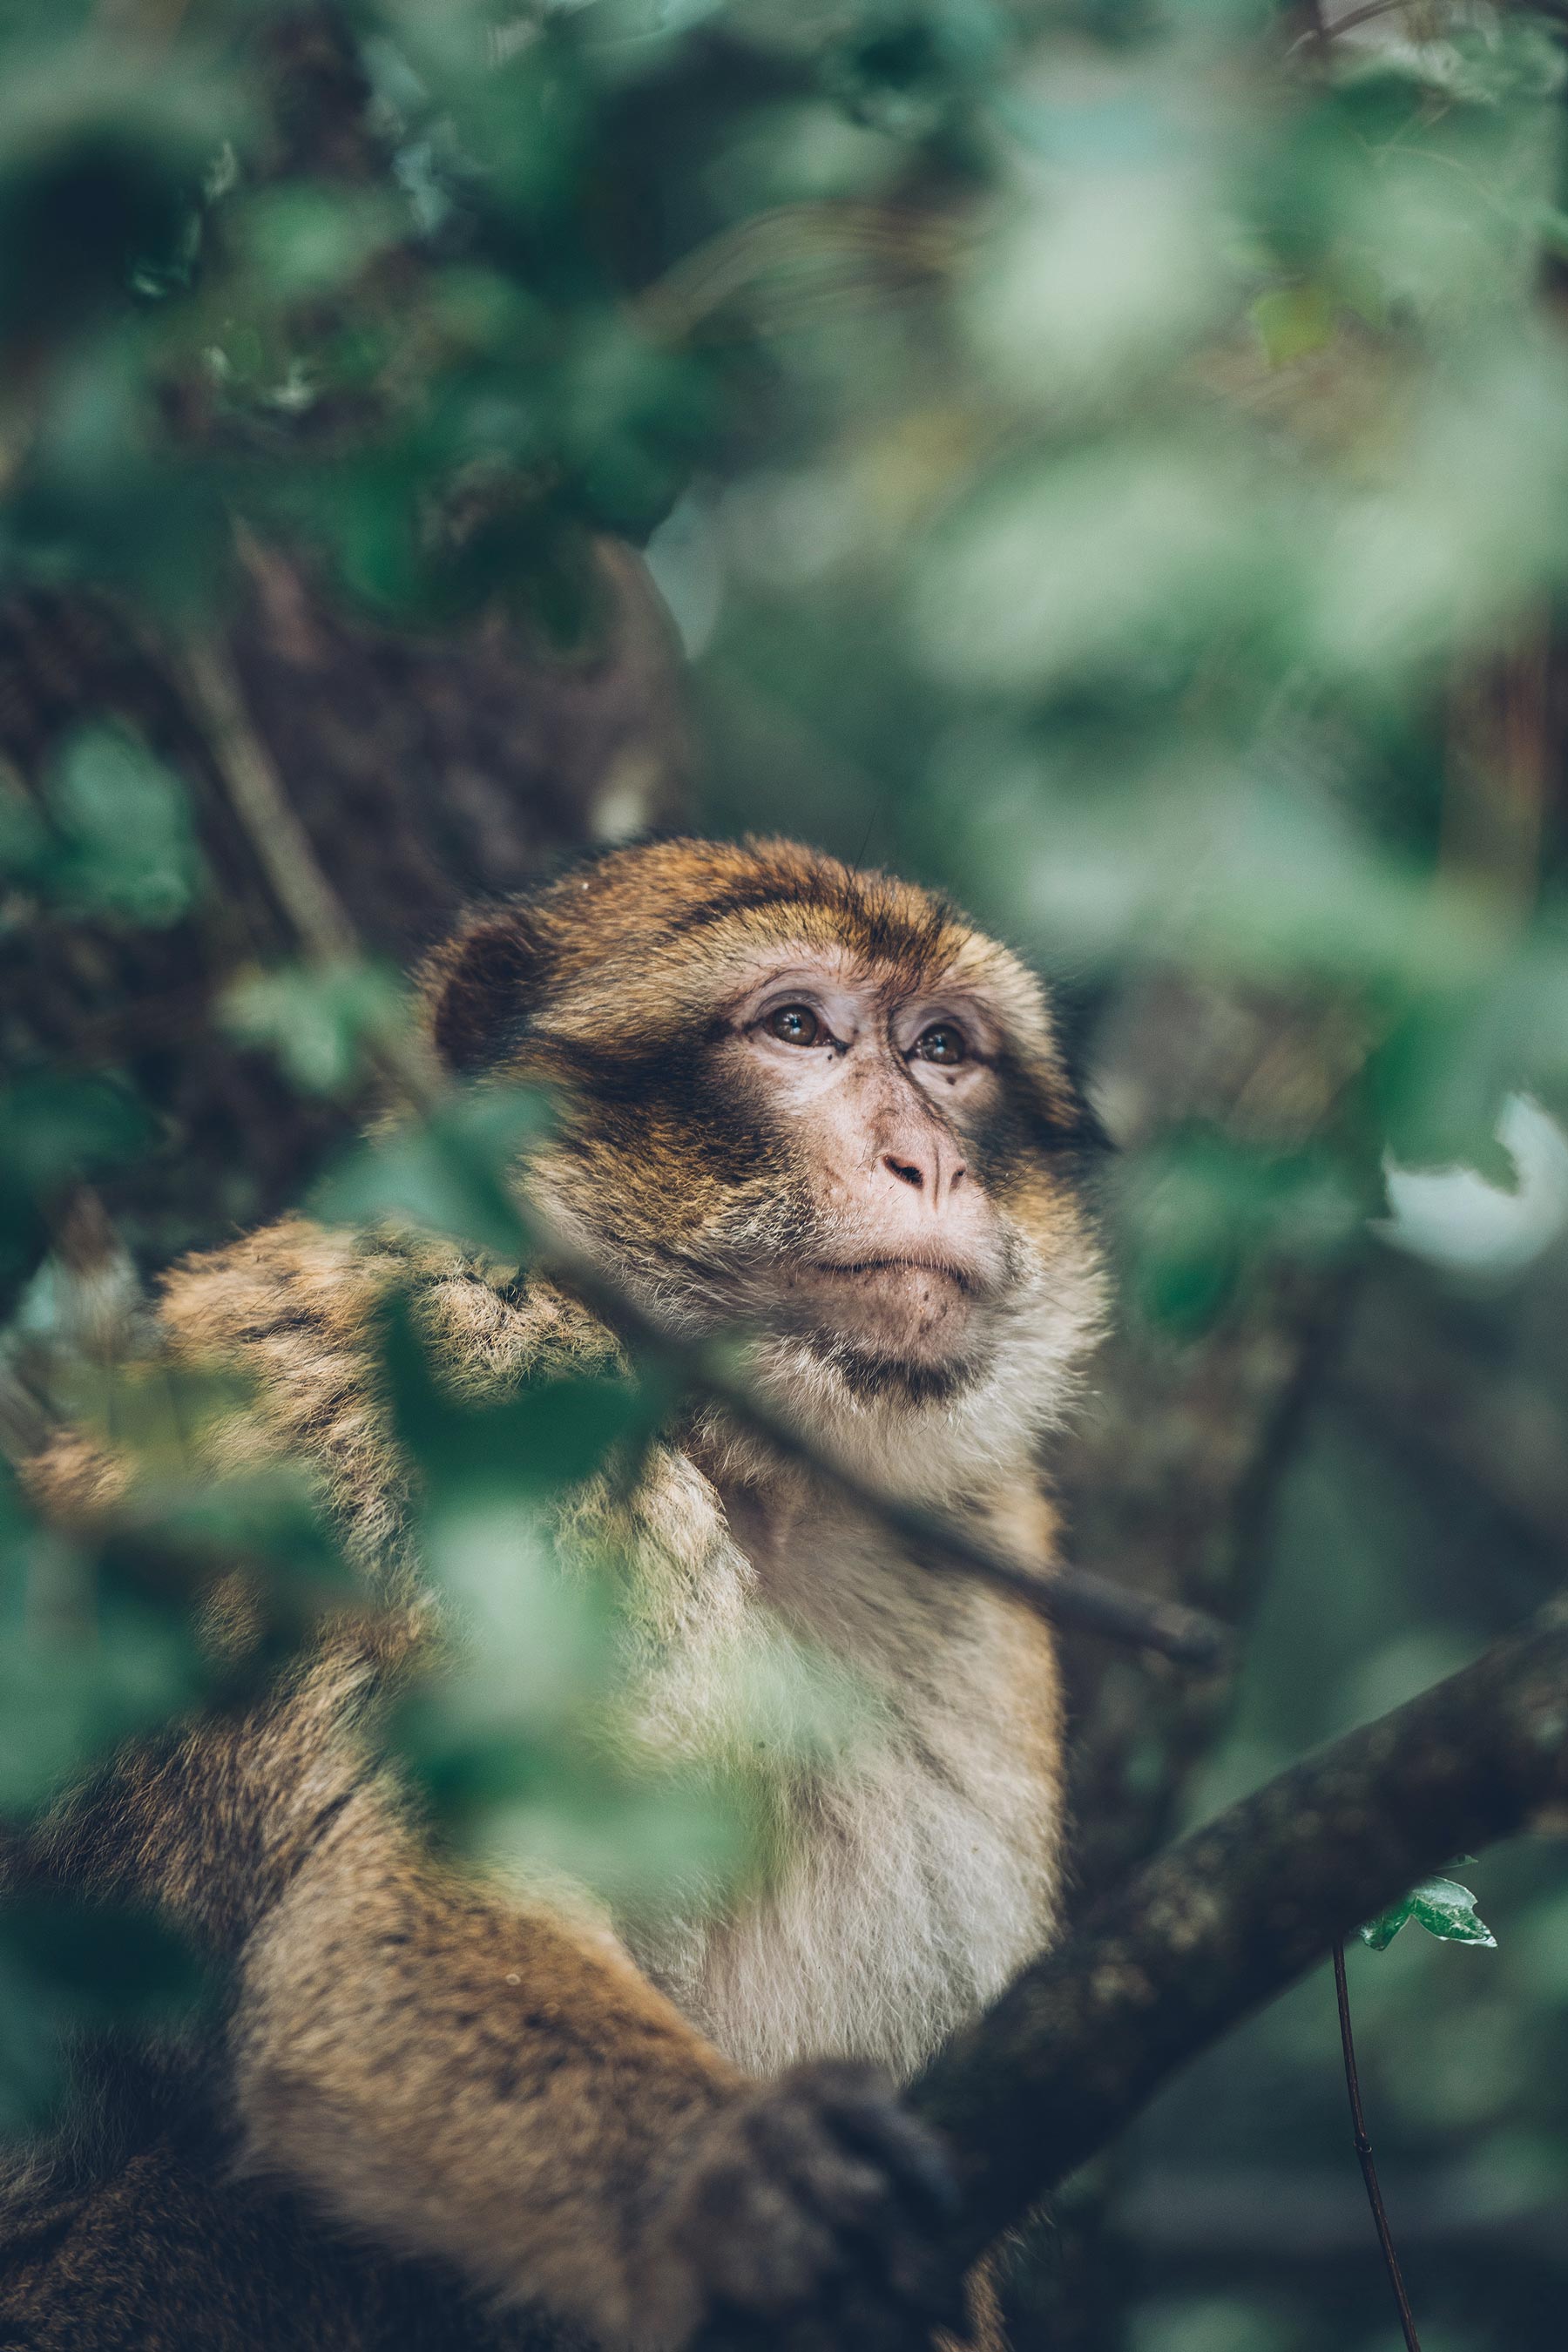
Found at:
[808, 2214]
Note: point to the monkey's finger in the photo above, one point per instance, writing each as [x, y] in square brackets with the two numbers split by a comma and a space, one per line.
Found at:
[844, 2189]
[929, 2283]
[871, 2122]
[882, 2255]
[865, 2205]
[770, 2259]
[863, 2321]
[756, 2245]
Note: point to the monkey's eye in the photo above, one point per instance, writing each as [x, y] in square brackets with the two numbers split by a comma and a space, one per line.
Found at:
[941, 1043]
[797, 1024]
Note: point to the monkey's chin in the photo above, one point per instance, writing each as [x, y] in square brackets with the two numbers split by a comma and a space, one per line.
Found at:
[887, 1325]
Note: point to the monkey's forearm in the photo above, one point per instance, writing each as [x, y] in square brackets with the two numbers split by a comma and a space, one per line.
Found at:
[450, 2073]
[453, 2075]
[461, 2079]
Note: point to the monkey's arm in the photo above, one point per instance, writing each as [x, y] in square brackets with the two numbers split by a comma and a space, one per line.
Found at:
[448, 2073]
[467, 2080]
[496, 2085]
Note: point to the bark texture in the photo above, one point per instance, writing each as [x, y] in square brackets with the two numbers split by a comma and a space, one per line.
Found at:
[1232, 1914]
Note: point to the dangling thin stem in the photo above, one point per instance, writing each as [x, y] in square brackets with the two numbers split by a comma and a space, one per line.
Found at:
[1363, 2152]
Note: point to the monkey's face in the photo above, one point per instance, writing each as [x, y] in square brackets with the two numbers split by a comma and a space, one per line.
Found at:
[882, 1097]
[809, 1103]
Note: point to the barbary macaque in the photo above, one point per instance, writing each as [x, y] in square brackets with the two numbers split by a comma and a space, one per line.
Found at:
[798, 1101]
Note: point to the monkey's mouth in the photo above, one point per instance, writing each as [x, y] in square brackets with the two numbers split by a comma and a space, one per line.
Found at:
[962, 1277]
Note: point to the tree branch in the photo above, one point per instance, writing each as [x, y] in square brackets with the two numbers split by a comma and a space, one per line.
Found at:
[1234, 1913]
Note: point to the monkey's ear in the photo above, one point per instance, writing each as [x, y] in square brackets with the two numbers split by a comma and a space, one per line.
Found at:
[479, 987]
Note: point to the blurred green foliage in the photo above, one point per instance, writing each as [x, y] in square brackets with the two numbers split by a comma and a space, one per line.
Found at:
[114, 836]
[1109, 457]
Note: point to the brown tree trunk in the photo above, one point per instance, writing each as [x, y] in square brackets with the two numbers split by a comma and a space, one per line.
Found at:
[425, 771]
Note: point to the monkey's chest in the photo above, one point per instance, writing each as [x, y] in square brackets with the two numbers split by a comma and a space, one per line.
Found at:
[916, 1871]
[912, 1888]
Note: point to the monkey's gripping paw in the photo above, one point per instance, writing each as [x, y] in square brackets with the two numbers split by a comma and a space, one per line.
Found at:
[810, 2216]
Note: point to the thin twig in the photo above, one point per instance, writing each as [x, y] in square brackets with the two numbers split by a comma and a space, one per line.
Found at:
[1076, 1597]
[1065, 1596]
[279, 843]
[1325, 29]
[1363, 2153]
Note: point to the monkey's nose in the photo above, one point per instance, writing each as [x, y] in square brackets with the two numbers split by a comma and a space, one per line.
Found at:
[928, 1168]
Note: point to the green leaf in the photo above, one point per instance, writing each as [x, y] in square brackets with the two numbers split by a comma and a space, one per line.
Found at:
[451, 1173]
[67, 1968]
[107, 1960]
[1200, 1207]
[69, 1699]
[103, 149]
[322, 1025]
[1293, 320]
[305, 240]
[545, 1435]
[1441, 1906]
[124, 823]
[58, 1126]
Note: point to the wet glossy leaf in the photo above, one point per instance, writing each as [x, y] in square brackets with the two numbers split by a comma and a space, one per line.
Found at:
[1441, 1906]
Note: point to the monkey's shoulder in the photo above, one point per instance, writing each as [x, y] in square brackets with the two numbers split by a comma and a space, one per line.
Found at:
[302, 1313]
[286, 1302]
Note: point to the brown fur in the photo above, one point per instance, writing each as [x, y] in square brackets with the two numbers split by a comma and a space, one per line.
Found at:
[431, 2110]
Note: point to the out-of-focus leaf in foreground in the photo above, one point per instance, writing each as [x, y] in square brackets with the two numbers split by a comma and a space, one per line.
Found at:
[448, 1173]
[67, 1968]
[324, 1025]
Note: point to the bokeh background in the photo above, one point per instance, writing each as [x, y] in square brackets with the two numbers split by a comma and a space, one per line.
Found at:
[1108, 460]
